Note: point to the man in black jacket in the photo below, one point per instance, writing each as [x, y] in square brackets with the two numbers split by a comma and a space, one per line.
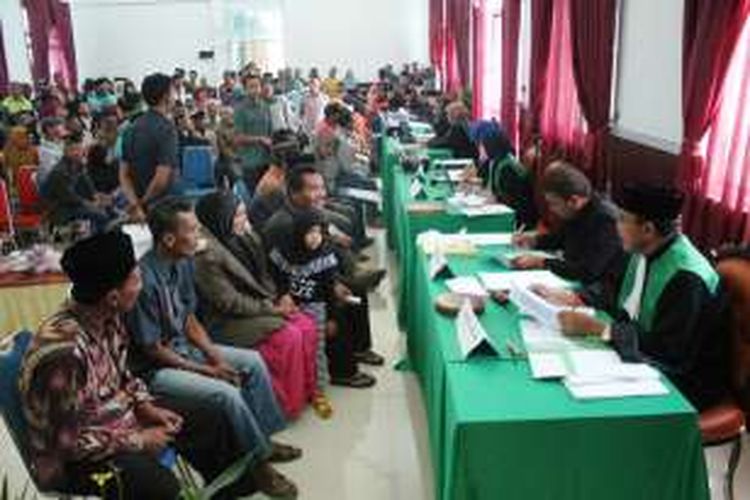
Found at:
[588, 236]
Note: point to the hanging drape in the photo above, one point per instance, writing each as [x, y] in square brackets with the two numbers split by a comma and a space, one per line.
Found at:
[711, 30]
[4, 78]
[458, 30]
[592, 27]
[437, 36]
[63, 30]
[39, 16]
[478, 40]
[51, 35]
[511, 22]
[541, 32]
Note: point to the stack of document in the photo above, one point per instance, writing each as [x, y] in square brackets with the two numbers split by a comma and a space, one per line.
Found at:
[467, 286]
[433, 241]
[489, 209]
[495, 282]
[597, 374]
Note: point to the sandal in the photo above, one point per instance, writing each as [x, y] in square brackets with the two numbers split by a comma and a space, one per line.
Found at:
[283, 453]
[357, 381]
[274, 484]
[322, 406]
[369, 358]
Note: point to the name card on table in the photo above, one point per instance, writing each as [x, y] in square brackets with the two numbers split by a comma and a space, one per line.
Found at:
[416, 188]
[439, 266]
[471, 335]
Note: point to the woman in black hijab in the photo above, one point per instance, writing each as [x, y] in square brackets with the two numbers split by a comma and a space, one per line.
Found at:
[242, 306]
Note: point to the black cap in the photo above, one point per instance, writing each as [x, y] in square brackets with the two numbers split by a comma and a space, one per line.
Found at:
[653, 203]
[98, 264]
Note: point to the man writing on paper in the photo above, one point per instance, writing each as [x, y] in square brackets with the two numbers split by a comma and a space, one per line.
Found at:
[588, 236]
[668, 309]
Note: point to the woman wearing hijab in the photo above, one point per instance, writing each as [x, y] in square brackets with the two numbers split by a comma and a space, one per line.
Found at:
[241, 305]
[510, 181]
[19, 152]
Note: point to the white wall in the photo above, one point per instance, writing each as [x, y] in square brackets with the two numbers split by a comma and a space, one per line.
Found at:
[648, 100]
[132, 39]
[15, 41]
[360, 34]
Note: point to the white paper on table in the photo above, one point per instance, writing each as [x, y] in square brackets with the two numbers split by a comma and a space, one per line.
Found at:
[486, 239]
[506, 257]
[503, 281]
[455, 175]
[616, 389]
[594, 366]
[466, 285]
[491, 209]
[363, 195]
[455, 162]
[141, 238]
[469, 331]
[545, 312]
[547, 365]
[539, 338]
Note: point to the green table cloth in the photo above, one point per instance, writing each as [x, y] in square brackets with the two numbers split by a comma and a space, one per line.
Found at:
[403, 227]
[497, 433]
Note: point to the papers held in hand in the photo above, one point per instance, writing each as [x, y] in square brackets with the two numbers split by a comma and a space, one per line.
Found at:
[471, 336]
[537, 307]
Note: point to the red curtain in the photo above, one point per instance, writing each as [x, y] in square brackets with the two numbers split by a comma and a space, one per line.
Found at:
[541, 32]
[437, 36]
[511, 19]
[478, 39]
[4, 78]
[592, 26]
[458, 29]
[710, 34]
[63, 32]
[39, 16]
[51, 35]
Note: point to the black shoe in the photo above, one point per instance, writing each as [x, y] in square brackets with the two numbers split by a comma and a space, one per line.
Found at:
[357, 381]
[369, 358]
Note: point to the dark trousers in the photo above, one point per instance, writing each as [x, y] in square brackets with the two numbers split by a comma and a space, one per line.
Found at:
[126, 476]
[353, 335]
[205, 441]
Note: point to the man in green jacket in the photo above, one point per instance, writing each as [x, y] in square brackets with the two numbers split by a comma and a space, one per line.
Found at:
[668, 309]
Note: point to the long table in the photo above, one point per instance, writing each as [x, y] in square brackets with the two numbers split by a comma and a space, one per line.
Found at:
[403, 225]
[497, 433]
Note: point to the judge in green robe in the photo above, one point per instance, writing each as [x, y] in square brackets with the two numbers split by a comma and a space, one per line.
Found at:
[668, 309]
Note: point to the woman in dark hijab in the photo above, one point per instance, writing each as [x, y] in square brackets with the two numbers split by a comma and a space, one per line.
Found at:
[242, 306]
[510, 181]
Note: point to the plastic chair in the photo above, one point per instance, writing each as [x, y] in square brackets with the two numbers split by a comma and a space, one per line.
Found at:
[15, 421]
[198, 173]
[29, 215]
[10, 400]
[725, 423]
[6, 215]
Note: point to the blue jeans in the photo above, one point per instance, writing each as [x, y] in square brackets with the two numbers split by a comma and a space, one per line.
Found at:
[251, 409]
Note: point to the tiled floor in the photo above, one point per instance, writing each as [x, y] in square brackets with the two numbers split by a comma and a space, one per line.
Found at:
[375, 447]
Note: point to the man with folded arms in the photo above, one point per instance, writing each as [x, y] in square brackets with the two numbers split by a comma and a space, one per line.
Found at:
[668, 308]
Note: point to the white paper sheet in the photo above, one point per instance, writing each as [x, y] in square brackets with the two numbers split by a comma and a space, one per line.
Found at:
[486, 239]
[538, 338]
[503, 281]
[438, 262]
[363, 195]
[415, 188]
[455, 162]
[545, 312]
[594, 366]
[466, 285]
[547, 365]
[616, 389]
[506, 257]
[493, 209]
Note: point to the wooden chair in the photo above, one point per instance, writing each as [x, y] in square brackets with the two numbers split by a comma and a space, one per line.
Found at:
[725, 423]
